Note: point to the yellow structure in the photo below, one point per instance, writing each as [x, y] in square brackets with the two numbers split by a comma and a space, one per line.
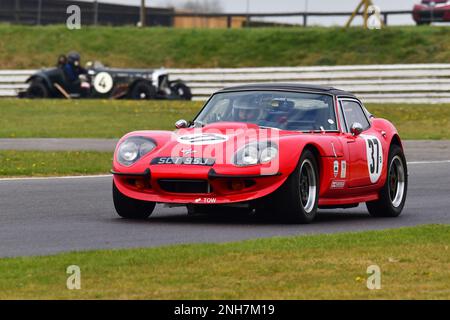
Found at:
[364, 4]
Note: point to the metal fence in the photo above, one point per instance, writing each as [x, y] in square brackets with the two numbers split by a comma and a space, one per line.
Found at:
[93, 12]
[302, 16]
[406, 83]
[37, 12]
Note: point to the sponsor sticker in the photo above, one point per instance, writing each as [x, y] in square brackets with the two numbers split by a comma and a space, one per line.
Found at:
[336, 168]
[343, 169]
[337, 184]
[205, 200]
[199, 139]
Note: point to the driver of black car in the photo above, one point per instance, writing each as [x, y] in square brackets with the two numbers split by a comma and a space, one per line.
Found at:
[72, 69]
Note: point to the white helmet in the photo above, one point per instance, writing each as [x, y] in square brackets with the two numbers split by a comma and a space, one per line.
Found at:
[246, 108]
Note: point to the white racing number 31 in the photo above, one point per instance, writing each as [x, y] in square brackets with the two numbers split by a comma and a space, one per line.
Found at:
[374, 157]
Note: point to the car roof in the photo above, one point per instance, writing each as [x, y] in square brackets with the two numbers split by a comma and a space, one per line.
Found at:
[290, 87]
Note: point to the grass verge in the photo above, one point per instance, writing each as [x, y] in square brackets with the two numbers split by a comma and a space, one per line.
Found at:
[21, 46]
[414, 263]
[112, 118]
[61, 163]
[88, 118]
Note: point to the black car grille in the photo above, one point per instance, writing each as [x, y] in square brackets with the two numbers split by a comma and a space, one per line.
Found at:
[185, 186]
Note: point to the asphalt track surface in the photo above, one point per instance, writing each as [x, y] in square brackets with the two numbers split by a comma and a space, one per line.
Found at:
[46, 216]
[416, 149]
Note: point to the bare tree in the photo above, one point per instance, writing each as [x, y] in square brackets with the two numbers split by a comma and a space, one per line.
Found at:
[203, 6]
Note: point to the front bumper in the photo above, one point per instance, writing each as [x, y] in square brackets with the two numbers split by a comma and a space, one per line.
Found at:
[220, 187]
[430, 14]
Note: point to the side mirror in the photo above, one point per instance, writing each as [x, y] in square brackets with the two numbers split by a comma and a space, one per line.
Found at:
[180, 124]
[356, 128]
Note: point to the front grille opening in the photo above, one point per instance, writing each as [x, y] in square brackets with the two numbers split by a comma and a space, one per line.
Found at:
[138, 183]
[185, 186]
[431, 16]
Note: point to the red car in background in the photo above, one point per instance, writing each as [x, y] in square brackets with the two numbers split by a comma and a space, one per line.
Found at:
[431, 11]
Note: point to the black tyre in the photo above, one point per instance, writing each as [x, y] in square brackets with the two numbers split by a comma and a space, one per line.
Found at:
[131, 208]
[296, 201]
[393, 194]
[181, 91]
[37, 90]
[142, 91]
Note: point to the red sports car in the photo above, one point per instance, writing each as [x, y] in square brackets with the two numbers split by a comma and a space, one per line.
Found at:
[274, 149]
[431, 11]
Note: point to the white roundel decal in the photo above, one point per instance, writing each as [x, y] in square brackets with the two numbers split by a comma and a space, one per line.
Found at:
[199, 139]
[103, 82]
[374, 152]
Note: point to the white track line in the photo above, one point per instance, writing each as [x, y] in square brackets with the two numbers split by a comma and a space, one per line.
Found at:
[53, 178]
[429, 162]
[109, 175]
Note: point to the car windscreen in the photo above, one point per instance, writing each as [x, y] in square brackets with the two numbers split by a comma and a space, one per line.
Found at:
[276, 109]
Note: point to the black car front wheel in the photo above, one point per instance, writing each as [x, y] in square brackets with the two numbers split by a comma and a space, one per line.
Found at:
[142, 91]
[180, 91]
[37, 90]
[131, 208]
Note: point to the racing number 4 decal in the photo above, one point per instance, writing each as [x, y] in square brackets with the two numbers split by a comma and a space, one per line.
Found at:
[103, 82]
[374, 157]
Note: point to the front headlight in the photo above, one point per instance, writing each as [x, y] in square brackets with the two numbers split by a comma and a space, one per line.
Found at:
[256, 153]
[134, 148]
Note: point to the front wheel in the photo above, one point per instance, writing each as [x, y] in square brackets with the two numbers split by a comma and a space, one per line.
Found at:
[297, 199]
[131, 208]
[393, 194]
[143, 91]
[180, 91]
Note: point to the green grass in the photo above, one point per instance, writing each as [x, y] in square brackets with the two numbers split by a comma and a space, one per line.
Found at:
[419, 121]
[22, 46]
[88, 118]
[414, 262]
[112, 118]
[38, 163]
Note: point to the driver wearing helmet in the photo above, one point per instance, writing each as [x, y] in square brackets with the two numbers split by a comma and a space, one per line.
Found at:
[246, 109]
[72, 68]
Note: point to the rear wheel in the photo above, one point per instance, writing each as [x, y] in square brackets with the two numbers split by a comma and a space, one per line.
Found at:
[297, 199]
[143, 91]
[393, 194]
[37, 90]
[131, 208]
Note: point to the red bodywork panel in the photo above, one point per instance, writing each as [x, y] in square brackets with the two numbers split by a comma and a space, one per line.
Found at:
[344, 164]
[425, 13]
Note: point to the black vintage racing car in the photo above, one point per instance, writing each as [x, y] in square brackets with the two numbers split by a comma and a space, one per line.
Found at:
[102, 82]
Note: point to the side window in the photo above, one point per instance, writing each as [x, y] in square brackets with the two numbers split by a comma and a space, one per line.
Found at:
[353, 113]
